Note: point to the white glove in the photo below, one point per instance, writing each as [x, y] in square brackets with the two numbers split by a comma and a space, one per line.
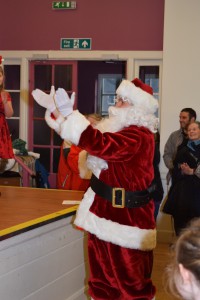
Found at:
[64, 103]
[45, 100]
[54, 124]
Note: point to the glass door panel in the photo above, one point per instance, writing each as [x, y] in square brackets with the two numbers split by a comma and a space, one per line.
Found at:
[44, 74]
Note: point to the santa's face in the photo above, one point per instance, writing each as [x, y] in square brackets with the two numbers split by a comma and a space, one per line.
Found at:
[117, 119]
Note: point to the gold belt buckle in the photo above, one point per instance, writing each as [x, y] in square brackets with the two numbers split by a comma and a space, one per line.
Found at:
[114, 197]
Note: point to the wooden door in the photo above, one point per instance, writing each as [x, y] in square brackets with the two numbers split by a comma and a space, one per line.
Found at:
[42, 139]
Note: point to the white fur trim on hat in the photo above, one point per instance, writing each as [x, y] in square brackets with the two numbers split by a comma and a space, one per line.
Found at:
[109, 231]
[137, 97]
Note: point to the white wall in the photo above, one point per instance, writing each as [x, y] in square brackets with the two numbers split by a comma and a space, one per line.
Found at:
[181, 71]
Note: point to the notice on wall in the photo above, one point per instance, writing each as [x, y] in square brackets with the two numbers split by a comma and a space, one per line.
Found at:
[76, 44]
[64, 5]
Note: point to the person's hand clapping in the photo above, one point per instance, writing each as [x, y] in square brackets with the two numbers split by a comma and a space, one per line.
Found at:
[186, 169]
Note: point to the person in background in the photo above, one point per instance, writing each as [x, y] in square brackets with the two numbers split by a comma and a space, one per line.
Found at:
[184, 194]
[117, 210]
[6, 111]
[182, 275]
[187, 116]
[73, 173]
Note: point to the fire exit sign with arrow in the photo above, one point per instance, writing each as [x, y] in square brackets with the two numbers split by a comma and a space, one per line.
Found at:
[76, 44]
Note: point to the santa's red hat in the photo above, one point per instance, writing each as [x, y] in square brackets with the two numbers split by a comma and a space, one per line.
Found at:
[139, 95]
[143, 86]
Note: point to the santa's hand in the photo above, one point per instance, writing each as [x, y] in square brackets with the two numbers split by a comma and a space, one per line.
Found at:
[45, 100]
[64, 103]
[54, 124]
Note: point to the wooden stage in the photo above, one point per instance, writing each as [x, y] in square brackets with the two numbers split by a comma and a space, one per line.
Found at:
[23, 209]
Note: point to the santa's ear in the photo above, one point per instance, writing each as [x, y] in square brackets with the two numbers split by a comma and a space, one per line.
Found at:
[185, 274]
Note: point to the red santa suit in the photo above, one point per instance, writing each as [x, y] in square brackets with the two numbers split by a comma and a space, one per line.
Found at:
[121, 240]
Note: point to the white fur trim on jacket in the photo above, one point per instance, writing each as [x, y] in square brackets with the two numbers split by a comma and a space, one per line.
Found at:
[122, 235]
[73, 126]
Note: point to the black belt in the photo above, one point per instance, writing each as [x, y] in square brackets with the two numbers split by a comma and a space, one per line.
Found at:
[119, 197]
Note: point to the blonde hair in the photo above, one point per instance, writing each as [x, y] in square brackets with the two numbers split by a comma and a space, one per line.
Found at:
[187, 253]
[2, 85]
[93, 118]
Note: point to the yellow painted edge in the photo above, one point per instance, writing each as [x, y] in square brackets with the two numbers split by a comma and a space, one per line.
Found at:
[38, 220]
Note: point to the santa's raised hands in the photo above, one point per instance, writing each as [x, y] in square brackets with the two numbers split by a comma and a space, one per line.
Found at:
[45, 100]
[56, 102]
[64, 103]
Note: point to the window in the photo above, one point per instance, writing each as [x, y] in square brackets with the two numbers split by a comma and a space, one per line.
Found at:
[107, 85]
[12, 85]
[150, 76]
[150, 72]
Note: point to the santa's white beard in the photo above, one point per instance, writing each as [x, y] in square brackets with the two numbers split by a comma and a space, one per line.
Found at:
[116, 120]
[123, 117]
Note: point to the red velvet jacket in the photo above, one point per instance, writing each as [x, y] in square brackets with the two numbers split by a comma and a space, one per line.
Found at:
[129, 157]
[129, 154]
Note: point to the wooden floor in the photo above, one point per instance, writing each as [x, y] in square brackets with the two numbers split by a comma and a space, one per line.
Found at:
[161, 259]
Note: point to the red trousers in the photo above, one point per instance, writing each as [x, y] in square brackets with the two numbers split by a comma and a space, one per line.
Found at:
[118, 273]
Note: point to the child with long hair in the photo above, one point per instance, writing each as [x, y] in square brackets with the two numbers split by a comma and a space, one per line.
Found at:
[182, 276]
[6, 111]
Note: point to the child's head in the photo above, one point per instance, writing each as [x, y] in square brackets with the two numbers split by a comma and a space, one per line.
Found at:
[1, 78]
[183, 274]
[93, 118]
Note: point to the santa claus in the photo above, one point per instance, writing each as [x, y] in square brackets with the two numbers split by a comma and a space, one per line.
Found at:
[117, 210]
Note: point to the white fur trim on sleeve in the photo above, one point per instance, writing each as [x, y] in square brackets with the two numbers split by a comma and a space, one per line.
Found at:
[73, 126]
[109, 231]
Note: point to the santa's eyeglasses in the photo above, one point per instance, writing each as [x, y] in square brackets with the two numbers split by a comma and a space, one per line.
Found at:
[119, 98]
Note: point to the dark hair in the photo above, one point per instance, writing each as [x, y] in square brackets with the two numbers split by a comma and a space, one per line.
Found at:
[191, 112]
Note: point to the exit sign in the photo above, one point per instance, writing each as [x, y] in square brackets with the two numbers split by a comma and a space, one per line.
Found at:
[64, 5]
[76, 44]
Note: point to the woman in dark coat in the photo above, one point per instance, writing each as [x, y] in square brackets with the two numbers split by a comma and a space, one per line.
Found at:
[183, 201]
